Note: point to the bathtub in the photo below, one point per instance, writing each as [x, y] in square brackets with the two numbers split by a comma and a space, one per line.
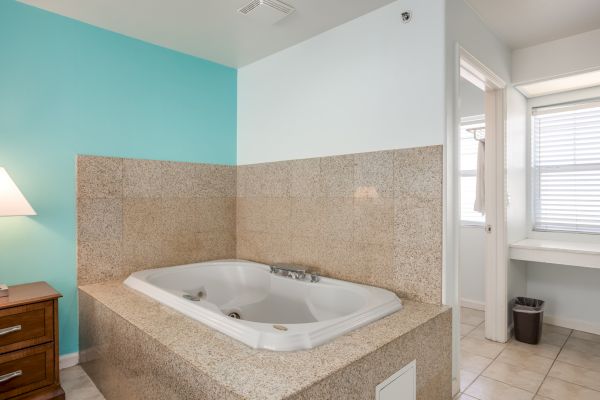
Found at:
[275, 312]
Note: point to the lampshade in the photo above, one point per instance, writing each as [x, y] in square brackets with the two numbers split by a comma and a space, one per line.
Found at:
[12, 201]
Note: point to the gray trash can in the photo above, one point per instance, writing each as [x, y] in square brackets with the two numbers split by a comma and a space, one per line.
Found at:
[528, 318]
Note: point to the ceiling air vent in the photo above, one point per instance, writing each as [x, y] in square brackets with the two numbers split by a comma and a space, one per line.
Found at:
[267, 11]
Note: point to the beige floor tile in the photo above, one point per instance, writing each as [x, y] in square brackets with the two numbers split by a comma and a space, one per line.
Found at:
[541, 349]
[557, 389]
[586, 336]
[553, 338]
[466, 378]
[538, 397]
[488, 389]
[473, 363]
[578, 375]
[463, 396]
[523, 359]
[556, 329]
[471, 317]
[584, 346]
[478, 333]
[580, 359]
[482, 347]
[514, 376]
[465, 329]
[78, 385]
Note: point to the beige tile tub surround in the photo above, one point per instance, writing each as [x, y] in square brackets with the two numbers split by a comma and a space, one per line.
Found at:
[373, 218]
[139, 214]
[135, 348]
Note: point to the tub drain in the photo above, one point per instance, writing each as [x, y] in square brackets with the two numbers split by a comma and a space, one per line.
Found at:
[234, 315]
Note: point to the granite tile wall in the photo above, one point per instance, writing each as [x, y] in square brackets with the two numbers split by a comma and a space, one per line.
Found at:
[139, 214]
[373, 218]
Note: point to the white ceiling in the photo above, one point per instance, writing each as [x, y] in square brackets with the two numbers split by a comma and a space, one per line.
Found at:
[211, 29]
[524, 23]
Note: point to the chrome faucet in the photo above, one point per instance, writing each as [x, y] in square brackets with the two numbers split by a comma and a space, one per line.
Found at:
[294, 272]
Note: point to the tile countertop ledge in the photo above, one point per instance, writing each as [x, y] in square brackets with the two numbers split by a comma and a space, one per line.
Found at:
[250, 373]
[577, 254]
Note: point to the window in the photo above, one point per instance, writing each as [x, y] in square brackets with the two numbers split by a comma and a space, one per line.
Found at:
[468, 170]
[566, 167]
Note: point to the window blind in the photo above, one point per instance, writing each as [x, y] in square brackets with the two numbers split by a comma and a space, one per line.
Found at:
[566, 167]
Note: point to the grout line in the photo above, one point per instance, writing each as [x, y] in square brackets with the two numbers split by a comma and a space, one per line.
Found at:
[545, 376]
[478, 375]
[575, 384]
[485, 369]
[553, 362]
[494, 359]
[555, 359]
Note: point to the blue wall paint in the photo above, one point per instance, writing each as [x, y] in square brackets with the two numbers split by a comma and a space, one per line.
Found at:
[67, 88]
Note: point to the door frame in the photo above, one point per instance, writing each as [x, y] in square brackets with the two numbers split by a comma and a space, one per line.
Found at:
[497, 277]
[496, 254]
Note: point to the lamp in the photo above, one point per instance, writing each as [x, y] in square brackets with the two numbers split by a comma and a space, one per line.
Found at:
[12, 203]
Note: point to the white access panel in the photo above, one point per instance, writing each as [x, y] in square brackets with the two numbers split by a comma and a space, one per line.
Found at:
[400, 386]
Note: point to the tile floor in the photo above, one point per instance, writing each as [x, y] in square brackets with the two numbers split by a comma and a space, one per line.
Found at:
[77, 385]
[564, 366]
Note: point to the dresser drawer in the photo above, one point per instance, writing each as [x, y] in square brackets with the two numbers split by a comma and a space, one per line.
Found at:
[26, 326]
[26, 370]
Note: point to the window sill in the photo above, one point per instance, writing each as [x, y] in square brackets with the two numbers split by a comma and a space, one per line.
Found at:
[585, 255]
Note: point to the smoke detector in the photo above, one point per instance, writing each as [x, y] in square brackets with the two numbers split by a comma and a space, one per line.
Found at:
[266, 11]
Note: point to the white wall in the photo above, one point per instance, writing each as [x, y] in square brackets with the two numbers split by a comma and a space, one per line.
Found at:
[472, 99]
[516, 187]
[557, 58]
[472, 268]
[463, 26]
[472, 238]
[572, 294]
[373, 83]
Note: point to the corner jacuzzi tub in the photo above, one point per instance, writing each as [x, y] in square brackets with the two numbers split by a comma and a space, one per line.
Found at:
[244, 300]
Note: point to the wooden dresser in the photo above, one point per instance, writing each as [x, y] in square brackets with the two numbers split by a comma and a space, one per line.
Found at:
[29, 343]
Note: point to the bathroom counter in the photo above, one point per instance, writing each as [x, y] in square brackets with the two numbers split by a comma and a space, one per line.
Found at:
[225, 368]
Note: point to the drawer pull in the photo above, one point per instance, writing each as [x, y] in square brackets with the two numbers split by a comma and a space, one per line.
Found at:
[9, 376]
[10, 329]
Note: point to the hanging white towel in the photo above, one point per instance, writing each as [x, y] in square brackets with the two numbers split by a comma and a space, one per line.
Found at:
[480, 181]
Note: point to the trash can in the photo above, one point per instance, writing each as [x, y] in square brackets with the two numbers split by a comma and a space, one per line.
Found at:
[528, 317]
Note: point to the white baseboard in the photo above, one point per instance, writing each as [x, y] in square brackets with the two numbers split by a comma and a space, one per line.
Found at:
[68, 360]
[579, 325]
[475, 305]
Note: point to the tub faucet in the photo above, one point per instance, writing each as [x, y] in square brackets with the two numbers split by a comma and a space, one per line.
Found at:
[293, 272]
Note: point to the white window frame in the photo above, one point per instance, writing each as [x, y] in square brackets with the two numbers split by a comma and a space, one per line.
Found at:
[545, 101]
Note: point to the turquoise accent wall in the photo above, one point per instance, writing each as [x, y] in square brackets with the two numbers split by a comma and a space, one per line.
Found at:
[68, 88]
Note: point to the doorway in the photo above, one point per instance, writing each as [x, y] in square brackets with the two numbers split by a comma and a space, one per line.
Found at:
[482, 252]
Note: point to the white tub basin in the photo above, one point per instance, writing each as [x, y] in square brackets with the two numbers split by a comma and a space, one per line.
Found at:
[276, 312]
